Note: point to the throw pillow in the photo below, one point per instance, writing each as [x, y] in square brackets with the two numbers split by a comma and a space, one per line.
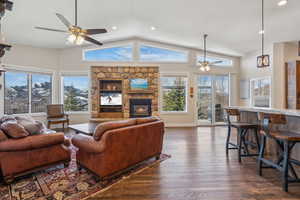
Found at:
[31, 126]
[7, 118]
[13, 129]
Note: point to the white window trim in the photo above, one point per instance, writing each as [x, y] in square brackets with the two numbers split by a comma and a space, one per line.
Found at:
[185, 112]
[187, 52]
[61, 87]
[132, 44]
[251, 94]
[29, 70]
[216, 57]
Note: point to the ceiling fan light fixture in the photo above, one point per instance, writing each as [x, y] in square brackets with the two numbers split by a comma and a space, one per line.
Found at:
[282, 2]
[79, 40]
[72, 38]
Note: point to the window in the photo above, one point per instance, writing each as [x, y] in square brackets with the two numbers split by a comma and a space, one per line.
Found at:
[19, 100]
[41, 93]
[225, 62]
[154, 54]
[123, 53]
[260, 92]
[174, 94]
[16, 98]
[75, 91]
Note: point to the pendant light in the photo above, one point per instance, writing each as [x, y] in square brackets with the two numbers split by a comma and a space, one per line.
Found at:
[263, 60]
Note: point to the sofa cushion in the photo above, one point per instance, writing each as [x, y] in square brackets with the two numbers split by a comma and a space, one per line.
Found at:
[13, 129]
[2, 136]
[32, 142]
[146, 120]
[103, 127]
[31, 126]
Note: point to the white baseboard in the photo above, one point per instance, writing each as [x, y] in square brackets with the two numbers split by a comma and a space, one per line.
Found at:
[173, 125]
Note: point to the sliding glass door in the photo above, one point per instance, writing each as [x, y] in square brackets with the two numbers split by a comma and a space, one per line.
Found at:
[213, 96]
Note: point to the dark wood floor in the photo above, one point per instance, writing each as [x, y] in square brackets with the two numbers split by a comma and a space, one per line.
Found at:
[199, 169]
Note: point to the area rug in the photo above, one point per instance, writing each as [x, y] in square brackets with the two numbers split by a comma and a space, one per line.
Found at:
[60, 183]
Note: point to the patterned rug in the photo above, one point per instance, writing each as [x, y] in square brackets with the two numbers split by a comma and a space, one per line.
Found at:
[60, 183]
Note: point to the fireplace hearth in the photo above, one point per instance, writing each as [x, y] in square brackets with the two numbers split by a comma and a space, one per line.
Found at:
[140, 108]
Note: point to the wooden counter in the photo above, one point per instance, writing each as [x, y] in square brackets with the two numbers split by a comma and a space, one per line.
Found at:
[250, 115]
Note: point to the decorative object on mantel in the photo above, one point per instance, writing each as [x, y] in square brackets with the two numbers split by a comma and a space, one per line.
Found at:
[77, 35]
[205, 65]
[5, 5]
[263, 60]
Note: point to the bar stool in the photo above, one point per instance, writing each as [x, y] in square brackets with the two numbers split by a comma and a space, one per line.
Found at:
[242, 131]
[285, 141]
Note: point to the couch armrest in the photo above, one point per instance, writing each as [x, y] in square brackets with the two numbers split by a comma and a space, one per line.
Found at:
[88, 144]
[32, 142]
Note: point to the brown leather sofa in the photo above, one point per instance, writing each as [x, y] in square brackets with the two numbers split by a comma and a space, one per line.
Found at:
[25, 155]
[116, 146]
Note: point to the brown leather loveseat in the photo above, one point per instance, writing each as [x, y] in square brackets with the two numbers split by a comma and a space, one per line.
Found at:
[116, 146]
[22, 153]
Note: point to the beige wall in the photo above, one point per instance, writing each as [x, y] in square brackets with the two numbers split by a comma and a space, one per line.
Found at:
[250, 71]
[64, 61]
[280, 54]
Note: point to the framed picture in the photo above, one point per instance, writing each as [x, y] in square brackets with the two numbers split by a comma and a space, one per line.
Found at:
[139, 84]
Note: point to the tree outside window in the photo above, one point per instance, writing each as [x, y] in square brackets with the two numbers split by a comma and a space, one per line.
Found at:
[174, 94]
[75, 93]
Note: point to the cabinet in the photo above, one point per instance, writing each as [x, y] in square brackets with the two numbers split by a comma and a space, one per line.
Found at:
[292, 85]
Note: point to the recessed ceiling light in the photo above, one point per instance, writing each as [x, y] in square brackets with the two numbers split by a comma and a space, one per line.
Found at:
[153, 28]
[282, 2]
[114, 28]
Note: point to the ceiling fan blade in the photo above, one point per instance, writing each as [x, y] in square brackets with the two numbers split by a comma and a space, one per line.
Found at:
[51, 29]
[89, 39]
[95, 31]
[64, 20]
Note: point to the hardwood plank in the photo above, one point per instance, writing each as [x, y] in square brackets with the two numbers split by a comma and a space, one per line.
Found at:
[199, 169]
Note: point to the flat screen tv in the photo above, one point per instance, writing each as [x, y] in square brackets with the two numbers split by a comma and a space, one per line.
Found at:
[111, 99]
[138, 84]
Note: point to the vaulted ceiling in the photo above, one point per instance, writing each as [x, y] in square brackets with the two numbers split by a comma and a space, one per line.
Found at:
[232, 25]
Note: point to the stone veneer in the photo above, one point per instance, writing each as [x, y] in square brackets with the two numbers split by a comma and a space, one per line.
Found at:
[125, 74]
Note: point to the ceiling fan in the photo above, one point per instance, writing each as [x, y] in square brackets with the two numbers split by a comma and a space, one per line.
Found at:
[76, 34]
[205, 65]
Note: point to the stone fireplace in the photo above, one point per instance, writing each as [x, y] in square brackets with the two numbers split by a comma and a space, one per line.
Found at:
[140, 108]
[138, 103]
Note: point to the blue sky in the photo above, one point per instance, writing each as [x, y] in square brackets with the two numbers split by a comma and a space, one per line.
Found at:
[79, 82]
[15, 78]
[124, 53]
[21, 79]
[148, 53]
[110, 54]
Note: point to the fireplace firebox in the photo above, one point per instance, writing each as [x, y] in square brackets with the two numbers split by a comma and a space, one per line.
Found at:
[140, 107]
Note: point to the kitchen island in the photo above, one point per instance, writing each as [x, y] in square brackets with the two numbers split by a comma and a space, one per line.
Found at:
[250, 115]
